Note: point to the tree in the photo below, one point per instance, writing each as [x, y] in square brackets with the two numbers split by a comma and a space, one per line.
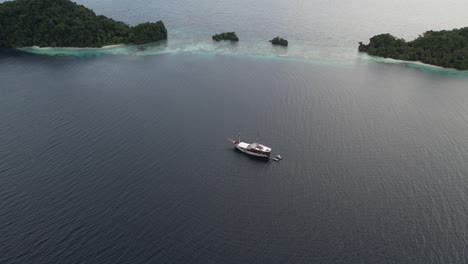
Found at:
[63, 23]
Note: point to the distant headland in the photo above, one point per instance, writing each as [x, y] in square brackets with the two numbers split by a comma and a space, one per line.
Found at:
[446, 48]
[63, 23]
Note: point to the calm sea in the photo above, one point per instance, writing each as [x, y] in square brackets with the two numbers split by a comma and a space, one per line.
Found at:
[119, 156]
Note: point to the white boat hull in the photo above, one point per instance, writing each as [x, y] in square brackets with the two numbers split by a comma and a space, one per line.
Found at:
[254, 149]
[246, 151]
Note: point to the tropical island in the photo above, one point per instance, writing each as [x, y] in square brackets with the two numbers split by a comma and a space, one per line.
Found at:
[279, 41]
[63, 23]
[226, 36]
[446, 48]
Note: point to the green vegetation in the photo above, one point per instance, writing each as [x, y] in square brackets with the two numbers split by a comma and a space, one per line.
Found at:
[146, 33]
[226, 36]
[279, 41]
[62, 23]
[446, 48]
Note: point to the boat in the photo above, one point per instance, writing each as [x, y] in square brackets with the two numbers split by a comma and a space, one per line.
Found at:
[254, 149]
[279, 157]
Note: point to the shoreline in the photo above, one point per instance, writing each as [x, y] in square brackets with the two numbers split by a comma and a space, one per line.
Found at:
[73, 48]
[123, 49]
[112, 46]
[418, 64]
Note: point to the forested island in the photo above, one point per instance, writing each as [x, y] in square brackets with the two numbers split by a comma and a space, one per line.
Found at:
[62, 23]
[446, 48]
[279, 41]
[226, 36]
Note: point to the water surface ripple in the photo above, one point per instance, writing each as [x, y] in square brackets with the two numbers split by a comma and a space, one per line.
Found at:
[119, 159]
[122, 159]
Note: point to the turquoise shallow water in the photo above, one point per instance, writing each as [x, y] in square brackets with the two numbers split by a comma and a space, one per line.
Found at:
[326, 31]
[226, 49]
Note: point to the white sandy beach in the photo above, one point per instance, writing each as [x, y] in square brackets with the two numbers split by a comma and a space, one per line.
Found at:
[389, 60]
[75, 48]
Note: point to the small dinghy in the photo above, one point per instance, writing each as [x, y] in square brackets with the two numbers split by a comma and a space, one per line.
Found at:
[277, 158]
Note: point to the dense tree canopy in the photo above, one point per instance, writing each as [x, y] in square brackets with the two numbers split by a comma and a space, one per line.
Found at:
[147, 32]
[279, 41]
[446, 48]
[62, 23]
[226, 36]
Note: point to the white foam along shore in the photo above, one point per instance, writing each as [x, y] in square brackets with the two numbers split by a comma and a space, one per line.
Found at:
[75, 48]
[389, 60]
[412, 63]
[76, 51]
[209, 49]
[112, 46]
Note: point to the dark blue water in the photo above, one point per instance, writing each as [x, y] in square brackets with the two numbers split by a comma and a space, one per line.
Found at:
[122, 158]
